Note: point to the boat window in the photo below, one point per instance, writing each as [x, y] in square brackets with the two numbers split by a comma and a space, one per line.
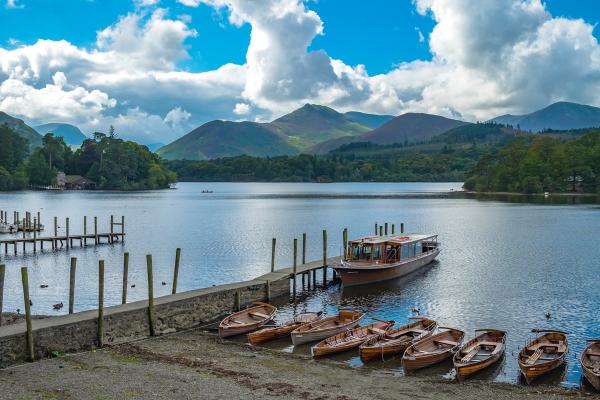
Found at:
[405, 251]
[418, 248]
[376, 253]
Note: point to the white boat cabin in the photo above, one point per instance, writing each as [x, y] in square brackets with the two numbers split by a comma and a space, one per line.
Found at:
[389, 249]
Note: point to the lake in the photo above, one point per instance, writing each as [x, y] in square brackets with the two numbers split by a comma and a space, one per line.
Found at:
[503, 265]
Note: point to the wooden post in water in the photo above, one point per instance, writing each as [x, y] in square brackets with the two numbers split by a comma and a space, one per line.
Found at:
[294, 266]
[268, 289]
[2, 273]
[24, 230]
[237, 301]
[67, 233]
[39, 219]
[72, 284]
[54, 244]
[304, 248]
[393, 229]
[125, 274]
[85, 230]
[274, 241]
[176, 270]
[35, 235]
[96, 230]
[122, 228]
[324, 257]
[100, 303]
[150, 294]
[345, 239]
[402, 227]
[112, 228]
[25, 281]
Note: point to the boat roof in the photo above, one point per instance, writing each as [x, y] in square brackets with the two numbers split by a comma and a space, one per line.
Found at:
[403, 238]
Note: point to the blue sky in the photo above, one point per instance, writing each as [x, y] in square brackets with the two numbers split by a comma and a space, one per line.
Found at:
[191, 61]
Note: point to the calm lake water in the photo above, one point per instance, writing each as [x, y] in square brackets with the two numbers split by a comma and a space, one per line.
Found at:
[503, 265]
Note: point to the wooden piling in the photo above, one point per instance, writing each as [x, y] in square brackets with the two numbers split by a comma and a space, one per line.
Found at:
[24, 231]
[55, 232]
[72, 284]
[324, 257]
[345, 240]
[122, 228]
[96, 230]
[112, 228]
[237, 301]
[268, 290]
[176, 270]
[125, 276]
[100, 303]
[294, 268]
[150, 294]
[25, 282]
[67, 233]
[303, 248]
[402, 227]
[273, 242]
[85, 230]
[2, 274]
[35, 235]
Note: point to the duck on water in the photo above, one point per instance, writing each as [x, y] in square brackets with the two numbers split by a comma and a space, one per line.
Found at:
[378, 258]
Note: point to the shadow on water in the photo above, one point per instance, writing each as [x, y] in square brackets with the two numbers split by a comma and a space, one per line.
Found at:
[553, 378]
[562, 199]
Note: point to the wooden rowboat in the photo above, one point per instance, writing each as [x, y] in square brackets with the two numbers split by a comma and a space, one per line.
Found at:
[590, 363]
[247, 320]
[543, 354]
[479, 352]
[397, 340]
[270, 333]
[350, 339]
[433, 349]
[319, 330]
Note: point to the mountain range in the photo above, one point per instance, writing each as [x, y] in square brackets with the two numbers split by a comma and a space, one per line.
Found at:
[70, 133]
[22, 129]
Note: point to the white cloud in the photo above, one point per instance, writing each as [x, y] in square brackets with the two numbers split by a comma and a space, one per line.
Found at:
[13, 4]
[501, 56]
[146, 3]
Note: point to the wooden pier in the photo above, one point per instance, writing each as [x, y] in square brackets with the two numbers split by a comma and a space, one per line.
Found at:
[34, 241]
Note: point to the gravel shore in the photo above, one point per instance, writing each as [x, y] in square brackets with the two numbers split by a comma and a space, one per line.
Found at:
[197, 365]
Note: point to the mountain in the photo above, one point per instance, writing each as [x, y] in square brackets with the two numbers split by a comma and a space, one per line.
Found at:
[312, 124]
[290, 134]
[71, 134]
[559, 116]
[409, 127]
[22, 129]
[217, 139]
[369, 120]
[489, 133]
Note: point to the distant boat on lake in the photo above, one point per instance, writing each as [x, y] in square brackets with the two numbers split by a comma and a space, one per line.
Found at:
[379, 258]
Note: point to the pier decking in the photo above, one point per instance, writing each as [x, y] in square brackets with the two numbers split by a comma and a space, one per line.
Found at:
[60, 241]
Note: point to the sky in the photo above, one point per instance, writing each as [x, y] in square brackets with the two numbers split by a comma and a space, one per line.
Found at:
[155, 69]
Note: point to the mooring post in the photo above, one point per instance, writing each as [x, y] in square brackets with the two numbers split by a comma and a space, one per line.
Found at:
[39, 220]
[268, 290]
[85, 230]
[96, 230]
[35, 235]
[112, 228]
[273, 242]
[54, 244]
[122, 228]
[125, 274]
[2, 273]
[304, 248]
[237, 301]
[100, 303]
[402, 227]
[72, 284]
[150, 294]
[345, 239]
[324, 257]
[176, 270]
[24, 230]
[67, 233]
[294, 265]
[25, 281]
[393, 229]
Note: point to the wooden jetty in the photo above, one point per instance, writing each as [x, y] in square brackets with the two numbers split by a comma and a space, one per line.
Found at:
[66, 240]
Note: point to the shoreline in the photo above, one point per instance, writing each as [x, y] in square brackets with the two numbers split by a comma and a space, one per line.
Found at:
[193, 363]
[550, 194]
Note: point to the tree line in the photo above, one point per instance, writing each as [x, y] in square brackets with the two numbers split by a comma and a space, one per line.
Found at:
[113, 163]
[540, 163]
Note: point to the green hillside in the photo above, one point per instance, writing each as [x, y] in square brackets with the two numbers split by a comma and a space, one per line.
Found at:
[21, 129]
[225, 139]
[369, 120]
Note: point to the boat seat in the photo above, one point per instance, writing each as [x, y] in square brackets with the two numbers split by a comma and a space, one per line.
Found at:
[377, 331]
[446, 342]
[469, 356]
[417, 330]
[596, 368]
[258, 314]
[534, 357]
[592, 354]
[236, 321]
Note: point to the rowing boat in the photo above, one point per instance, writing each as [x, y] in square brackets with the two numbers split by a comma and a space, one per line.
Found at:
[543, 354]
[397, 340]
[479, 352]
[345, 320]
[350, 339]
[247, 320]
[433, 349]
[590, 363]
[274, 332]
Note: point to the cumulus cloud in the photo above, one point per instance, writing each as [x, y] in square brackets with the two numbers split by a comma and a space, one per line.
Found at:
[501, 56]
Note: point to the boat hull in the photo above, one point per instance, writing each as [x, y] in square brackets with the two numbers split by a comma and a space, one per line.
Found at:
[349, 339]
[464, 371]
[307, 337]
[266, 334]
[587, 364]
[534, 371]
[352, 276]
[414, 358]
[380, 352]
[243, 324]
